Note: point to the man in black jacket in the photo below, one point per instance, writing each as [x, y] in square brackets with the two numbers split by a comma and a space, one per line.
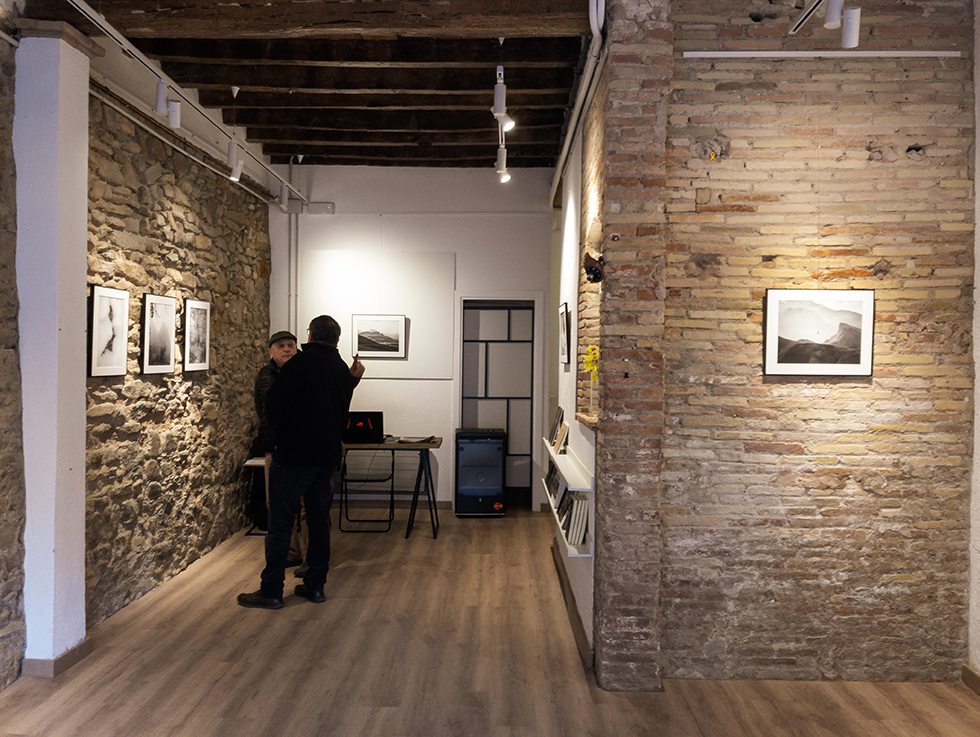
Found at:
[307, 408]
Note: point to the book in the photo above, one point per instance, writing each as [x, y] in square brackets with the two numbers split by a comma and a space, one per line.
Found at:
[562, 490]
[579, 522]
[560, 439]
[555, 425]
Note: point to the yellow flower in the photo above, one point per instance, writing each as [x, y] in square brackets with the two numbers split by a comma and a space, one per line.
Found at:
[590, 361]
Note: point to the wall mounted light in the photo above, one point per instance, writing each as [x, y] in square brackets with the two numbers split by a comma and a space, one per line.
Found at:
[500, 102]
[173, 113]
[834, 8]
[162, 91]
[851, 33]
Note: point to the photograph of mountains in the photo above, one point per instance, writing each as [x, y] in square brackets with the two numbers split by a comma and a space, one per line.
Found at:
[378, 336]
[812, 332]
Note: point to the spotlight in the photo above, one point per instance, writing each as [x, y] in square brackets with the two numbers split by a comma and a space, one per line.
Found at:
[161, 98]
[236, 173]
[834, 7]
[502, 164]
[173, 113]
[500, 102]
[851, 33]
[233, 162]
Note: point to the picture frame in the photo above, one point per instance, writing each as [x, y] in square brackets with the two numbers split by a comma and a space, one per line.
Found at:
[159, 334]
[378, 336]
[109, 332]
[818, 332]
[564, 348]
[197, 335]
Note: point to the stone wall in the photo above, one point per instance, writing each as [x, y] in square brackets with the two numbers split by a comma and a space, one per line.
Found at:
[164, 477]
[12, 491]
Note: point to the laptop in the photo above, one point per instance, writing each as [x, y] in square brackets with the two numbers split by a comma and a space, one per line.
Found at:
[364, 427]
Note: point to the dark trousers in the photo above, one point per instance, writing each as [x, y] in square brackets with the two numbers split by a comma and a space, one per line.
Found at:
[287, 485]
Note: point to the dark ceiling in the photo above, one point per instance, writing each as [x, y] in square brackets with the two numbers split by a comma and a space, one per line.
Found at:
[368, 82]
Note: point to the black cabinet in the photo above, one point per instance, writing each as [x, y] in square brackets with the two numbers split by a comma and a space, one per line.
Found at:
[480, 472]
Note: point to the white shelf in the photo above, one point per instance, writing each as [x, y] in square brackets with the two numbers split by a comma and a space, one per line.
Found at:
[578, 480]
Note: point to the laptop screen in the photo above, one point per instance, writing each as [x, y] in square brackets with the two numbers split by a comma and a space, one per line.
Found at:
[364, 427]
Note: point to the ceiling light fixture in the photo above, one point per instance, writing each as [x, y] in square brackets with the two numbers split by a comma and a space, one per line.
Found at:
[500, 102]
[234, 163]
[502, 164]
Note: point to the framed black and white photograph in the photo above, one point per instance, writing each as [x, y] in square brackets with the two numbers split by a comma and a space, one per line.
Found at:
[197, 335]
[110, 332]
[819, 332]
[379, 336]
[159, 334]
[564, 349]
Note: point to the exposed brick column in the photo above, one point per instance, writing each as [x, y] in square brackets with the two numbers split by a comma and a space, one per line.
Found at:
[629, 456]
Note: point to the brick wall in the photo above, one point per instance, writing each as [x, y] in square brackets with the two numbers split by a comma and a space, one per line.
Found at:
[631, 421]
[809, 528]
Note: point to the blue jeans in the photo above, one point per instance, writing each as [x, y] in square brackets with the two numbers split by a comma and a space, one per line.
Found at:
[287, 485]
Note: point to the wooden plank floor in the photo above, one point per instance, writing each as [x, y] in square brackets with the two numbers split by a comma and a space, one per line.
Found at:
[464, 635]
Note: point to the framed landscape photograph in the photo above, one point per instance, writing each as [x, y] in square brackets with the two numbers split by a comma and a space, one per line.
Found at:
[159, 334]
[819, 332]
[563, 333]
[197, 335]
[110, 332]
[379, 336]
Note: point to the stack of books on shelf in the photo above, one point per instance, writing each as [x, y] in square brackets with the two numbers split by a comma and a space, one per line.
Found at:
[573, 516]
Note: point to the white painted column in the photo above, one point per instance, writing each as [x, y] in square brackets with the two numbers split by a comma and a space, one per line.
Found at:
[51, 153]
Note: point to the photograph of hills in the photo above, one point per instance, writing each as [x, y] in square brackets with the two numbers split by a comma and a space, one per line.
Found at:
[379, 336]
[819, 332]
[810, 332]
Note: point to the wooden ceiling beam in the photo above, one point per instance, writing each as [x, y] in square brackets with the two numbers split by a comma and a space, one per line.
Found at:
[331, 18]
[384, 120]
[413, 52]
[542, 136]
[376, 79]
[481, 100]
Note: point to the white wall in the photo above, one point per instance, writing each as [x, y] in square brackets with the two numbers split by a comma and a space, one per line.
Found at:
[581, 439]
[50, 138]
[416, 242]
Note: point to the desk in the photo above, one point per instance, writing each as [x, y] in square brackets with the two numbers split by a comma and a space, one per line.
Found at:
[423, 481]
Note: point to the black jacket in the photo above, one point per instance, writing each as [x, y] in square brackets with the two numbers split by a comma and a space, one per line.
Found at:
[308, 405]
[265, 441]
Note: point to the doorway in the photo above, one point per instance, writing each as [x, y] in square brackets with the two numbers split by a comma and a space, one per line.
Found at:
[498, 381]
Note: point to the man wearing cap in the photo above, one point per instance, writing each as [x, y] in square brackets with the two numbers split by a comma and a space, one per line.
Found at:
[282, 347]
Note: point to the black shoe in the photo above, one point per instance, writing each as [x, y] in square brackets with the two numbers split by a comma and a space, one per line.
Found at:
[314, 595]
[294, 562]
[301, 571]
[255, 600]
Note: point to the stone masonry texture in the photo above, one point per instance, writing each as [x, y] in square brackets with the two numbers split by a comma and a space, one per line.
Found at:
[13, 510]
[165, 452]
[783, 527]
